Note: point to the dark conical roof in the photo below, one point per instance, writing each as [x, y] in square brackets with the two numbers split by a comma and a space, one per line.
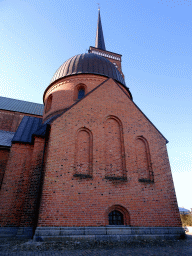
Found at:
[99, 41]
[88, 63]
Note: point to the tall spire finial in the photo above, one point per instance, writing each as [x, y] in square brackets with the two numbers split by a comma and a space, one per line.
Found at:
[99, 41]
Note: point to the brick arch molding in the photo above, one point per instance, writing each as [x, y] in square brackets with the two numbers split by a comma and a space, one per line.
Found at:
[123, 210]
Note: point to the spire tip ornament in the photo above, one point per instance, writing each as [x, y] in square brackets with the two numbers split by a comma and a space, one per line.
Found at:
[99, 41]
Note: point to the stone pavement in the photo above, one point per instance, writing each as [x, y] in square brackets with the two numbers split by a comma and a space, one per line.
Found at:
[29, 248]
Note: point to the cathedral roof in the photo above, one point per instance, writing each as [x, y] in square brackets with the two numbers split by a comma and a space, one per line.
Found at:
[28, 127]
[6, 138]
[88, 63]
[21, 106]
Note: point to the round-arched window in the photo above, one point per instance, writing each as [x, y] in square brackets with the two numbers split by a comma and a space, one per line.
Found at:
[116, 218]
[81, 93]
[48, 103]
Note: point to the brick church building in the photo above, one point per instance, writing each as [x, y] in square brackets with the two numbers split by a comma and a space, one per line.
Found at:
[88, 164]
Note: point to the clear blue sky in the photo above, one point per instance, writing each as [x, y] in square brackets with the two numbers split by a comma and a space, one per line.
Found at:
[154, 38]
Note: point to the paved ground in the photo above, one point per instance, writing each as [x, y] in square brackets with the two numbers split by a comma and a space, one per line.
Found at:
[30, 248]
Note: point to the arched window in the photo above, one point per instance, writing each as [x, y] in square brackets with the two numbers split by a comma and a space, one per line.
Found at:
[116, 218]
[83, 153]
[81, 93]
[144, 160]
[80, 90]
[48, 103]
[117, 215]
[114, 149]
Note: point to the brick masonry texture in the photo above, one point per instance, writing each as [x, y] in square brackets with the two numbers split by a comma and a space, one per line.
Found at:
[9, 120]
[69, 200]
[14, 185]
[102, 154]
[20, 188]
[4, 156]
[64, 92]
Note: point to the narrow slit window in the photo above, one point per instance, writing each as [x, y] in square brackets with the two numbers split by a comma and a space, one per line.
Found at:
[48, 103]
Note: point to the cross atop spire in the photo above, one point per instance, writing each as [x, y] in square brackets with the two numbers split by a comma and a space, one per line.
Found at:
[99, 41]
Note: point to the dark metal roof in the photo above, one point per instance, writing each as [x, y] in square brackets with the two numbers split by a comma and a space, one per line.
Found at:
[99, 41]
[6, 138]
[88, 63]
[21, 106]
[41, 131]
[28, 126]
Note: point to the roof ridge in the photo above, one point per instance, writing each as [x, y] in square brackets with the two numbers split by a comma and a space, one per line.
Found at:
[21, 106]
[22, 100]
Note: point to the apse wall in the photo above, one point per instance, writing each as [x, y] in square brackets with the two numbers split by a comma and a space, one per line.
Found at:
[64, 93]
[92, 166]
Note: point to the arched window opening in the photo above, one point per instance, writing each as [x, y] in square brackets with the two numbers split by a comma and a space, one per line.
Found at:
[117, 215]
[81, 93]
[114, 150]
[80, 90]
[83, 154]
[116, 218]
[48, 103]
[144, 160]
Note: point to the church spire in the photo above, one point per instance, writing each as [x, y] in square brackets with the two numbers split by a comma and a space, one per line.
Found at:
[99, 41]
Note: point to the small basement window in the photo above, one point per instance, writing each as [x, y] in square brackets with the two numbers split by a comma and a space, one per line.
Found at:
[116, 218]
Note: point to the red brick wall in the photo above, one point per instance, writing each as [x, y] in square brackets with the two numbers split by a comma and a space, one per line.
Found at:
[83, 152]
[114, 148]
[15, 184]
[29, 210]
[69, 199]
[64, 92]
[9, 120]
[75, 201]
[4, 155]
[143, 159]
[20, 184]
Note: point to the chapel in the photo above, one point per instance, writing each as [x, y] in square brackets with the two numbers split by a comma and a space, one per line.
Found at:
[87, 164]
